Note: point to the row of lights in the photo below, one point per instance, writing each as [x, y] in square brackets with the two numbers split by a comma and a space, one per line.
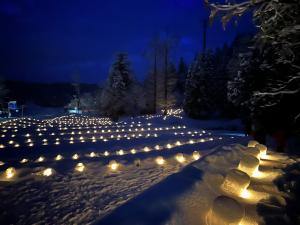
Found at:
[113, 165]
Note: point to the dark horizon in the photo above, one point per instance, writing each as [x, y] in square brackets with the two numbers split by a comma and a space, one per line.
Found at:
[48, 41]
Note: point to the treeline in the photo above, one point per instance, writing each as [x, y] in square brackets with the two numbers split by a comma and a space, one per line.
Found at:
[200, 88]
[42, 94]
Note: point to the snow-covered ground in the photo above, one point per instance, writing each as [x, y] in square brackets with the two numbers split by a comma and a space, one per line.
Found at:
[50, 186]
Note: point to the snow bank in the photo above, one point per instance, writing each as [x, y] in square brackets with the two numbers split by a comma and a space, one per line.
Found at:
[192, 196]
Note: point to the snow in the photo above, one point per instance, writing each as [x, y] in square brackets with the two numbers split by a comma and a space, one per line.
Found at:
[143, 170]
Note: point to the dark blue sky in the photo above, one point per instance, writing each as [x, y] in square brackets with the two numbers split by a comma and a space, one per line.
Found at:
[48, 40]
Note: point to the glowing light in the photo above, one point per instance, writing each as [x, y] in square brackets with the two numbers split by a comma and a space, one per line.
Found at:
[2, 146]
[178, 143]
[120, 152]
[160, 160]
[47, 172]
[106, 153]
[1, 163]
[157, 147]
[10, 172]
[58, 157]
[169, 146]
[252, 143]
[263, 150]
[248, 164]
[24, 161]
[236, 182]
[196, 155]
[92, 154]
[191, 142]
[146, 149]
[80, 167]
[75, 157]
[133, 151]
[41, 159]
[180, 158]
[113, 165]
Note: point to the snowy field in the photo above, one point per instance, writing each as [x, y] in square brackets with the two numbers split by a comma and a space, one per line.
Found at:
[77, 170]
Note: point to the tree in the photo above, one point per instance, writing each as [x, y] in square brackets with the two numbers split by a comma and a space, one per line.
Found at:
[182, 75]
[121, 93]
[277, 46]
[197, 101]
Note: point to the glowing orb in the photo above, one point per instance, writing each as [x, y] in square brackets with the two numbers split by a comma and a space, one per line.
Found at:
[92, 154]
[75, 156]
[120, 152]
[58, 157]
[157, 147]
[24, 161]
[169, 146]
[248, 164]
[133, 151]
[10, 172]
[180, 158]
[113, 165]
[1, 163]
[80, 167]
[160, 160]
[225, 211]
[41, 159]
[236, 182]
[178, 143]
[106, 153]
[191, 142]
[146, 149]
[47, 172]
[252, 143]
[196, 155]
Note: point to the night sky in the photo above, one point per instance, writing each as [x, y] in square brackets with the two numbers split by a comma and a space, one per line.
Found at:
[49, 40]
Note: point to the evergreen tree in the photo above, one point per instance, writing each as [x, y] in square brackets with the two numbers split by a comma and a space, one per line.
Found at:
[197, 101]
[121, 94]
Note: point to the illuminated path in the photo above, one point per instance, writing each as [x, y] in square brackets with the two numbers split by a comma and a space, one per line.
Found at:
[78, 169]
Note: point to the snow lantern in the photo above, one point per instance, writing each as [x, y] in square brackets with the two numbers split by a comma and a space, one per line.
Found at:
[249, 164]
[180, 158]
[47, 172]
[252, 143]
[196, 155]
[224, 211]
[263, 150]
[113, 165]
[79, 167]
[10, 172]
[160, 160]
[253, 151]
[236, 181]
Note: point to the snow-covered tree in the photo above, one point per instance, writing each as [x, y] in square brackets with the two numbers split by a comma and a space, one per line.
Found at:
[277, 42]
[121, 93]
[197, 101]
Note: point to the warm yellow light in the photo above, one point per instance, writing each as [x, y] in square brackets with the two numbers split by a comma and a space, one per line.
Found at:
[263, 150]
[113, 165]
[178, 143]
[160, 160]
[133, 151]
[58, 157]
[92, 154]
[80, 167]
[196, 155]
[146, 149]
[47, 172]
[106, 153]
[169, 146]
[75, 156]
[120, 152]
[41, 159]
[157, 147]
[191, 142]
[1, 163]
[245, 194]
[252, 143]
[10, 172]
[180, 158]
